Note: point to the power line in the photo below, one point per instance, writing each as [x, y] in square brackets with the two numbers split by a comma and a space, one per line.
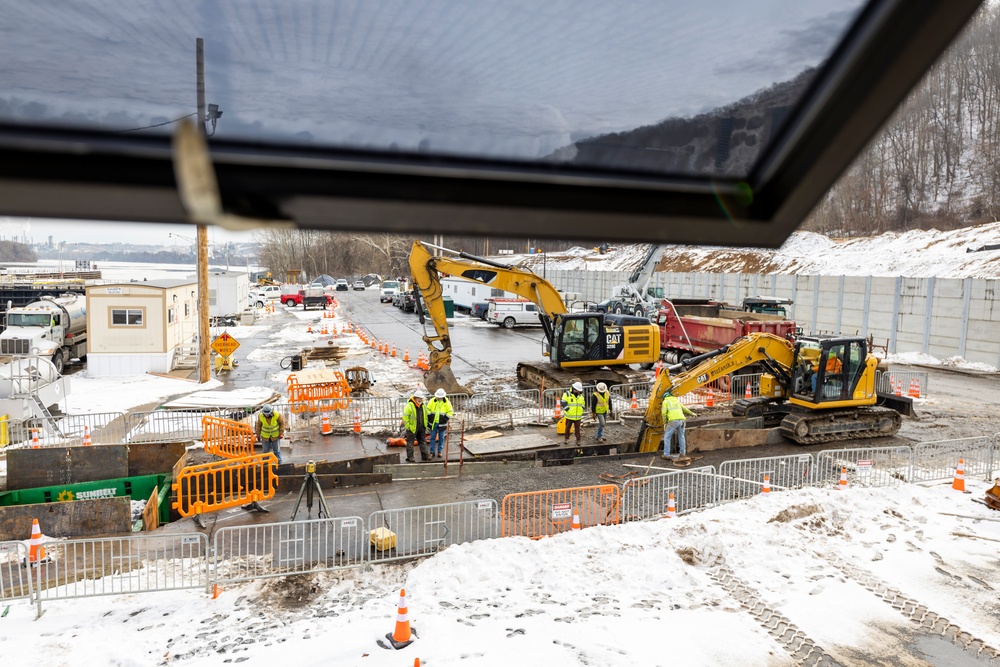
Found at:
[136, 129]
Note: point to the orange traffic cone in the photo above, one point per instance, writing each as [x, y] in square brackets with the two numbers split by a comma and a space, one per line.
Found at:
[710, 401]
[917, 388]
[766, 488]
[557, 411]
[747, 395]
[402, 636]
[843, 479]
[671, 506]
[357, 420]
[34, 438]
[897, 387]
[325, 428]
[324, 331]
[959, 483]
[635, 402]
[406, 355]
[86, 436]
[36, 550]
[309, 329]
[576, 520]
[216, 591]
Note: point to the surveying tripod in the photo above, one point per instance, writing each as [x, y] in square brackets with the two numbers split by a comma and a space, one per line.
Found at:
[309, 485]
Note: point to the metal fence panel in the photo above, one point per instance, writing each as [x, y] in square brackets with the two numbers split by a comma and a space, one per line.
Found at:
[621, 395]
[744, 478]
[243, 553]
[888, 381]
[938, 460]
[868, 467]
[15, 579]
[114, 565]
[423, 531]
[646, 497]
[502, 408]
[104, 428]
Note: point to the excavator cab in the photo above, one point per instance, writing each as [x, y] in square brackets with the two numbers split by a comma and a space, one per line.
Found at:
[832, 372]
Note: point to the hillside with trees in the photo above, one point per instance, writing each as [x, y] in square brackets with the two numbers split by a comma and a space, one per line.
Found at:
[12, 251]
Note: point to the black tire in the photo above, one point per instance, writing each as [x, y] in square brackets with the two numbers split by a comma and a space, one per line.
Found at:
[59, 361]
[618, 309]
[259, 304]
[509, 323]
[639, 312]
[83, 358]
[290, 303]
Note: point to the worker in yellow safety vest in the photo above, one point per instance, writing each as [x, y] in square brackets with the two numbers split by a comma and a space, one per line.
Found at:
[674, 417]
[573, 403]
[439, 412]
[600, 407]
[269, 428]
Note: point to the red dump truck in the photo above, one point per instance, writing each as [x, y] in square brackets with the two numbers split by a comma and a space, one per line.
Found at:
[689, 327]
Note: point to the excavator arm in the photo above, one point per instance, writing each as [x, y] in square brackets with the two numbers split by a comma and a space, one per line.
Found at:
[426, 270]
[774, 353]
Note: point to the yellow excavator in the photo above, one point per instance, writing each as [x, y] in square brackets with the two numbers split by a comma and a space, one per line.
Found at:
[589, 347]
[817, 389]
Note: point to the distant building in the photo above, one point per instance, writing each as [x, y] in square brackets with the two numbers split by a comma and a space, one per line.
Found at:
[135, 328]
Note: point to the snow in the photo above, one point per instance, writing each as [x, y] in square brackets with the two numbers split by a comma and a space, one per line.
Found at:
[916, 253]
[921, 359]
[616, 596]
[119, 394]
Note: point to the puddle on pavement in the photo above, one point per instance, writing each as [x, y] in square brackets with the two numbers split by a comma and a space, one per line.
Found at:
[940, 652]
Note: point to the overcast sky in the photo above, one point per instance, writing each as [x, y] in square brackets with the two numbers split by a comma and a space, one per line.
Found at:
[37, 230]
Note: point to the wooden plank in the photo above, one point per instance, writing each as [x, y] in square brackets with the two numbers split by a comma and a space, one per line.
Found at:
[484, 435]
[49, 466]
[153, 458]
[509, 443]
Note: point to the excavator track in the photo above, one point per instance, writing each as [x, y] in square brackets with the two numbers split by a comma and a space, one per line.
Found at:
[810, 428]
[534, 375]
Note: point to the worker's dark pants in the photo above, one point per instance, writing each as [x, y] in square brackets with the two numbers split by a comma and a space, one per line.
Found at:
[420, 441]
[570, 425]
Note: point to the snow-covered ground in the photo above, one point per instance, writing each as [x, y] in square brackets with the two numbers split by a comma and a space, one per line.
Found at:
[916, 253]
[649, 593]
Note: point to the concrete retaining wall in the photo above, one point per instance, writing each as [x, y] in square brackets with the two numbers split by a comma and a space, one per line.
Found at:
[937, 316]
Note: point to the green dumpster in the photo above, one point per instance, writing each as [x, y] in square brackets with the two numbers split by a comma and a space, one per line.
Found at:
[449, 306]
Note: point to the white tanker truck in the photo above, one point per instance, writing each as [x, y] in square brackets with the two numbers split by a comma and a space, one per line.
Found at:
[52, 327]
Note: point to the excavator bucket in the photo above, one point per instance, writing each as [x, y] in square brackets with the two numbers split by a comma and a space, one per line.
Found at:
[443, 378]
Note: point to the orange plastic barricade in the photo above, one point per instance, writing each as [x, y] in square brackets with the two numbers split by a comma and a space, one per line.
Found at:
[227, 438]
[318, 396]
[538, 514]
[210, 487]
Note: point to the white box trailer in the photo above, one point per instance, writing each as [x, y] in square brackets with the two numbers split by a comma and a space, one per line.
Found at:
[464, 293]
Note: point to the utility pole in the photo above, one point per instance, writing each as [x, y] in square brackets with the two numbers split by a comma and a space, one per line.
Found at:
[204, 357]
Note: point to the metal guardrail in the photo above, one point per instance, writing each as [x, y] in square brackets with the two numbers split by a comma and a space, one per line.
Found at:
[243, 553]
[744, 478]
[937, 460]
[423, 531]
[868, 467]
[15, 579]
[646, 498]
[68, 430]
[92, 567]
[887, 381]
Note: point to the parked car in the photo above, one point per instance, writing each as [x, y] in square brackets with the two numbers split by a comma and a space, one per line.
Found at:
[389, 289]
[260, 296]
[359, 284]
[342, 285]
[409, 301]
[480, 309]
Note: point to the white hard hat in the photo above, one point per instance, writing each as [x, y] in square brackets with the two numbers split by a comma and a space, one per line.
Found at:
[440, 393]
[419, 393]
[267, 409]
[601, 386]
[578, 386]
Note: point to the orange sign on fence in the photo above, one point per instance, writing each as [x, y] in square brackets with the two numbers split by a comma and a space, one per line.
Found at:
[538, 514]
[210, 487]
[227, 438]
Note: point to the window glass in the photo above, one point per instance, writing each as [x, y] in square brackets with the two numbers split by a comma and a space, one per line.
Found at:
[126, 317]
[664, 87]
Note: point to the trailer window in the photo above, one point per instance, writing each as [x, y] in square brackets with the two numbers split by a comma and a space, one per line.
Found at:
[126, 317]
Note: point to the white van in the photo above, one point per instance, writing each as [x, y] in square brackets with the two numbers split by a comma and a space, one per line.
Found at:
[509, 313]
